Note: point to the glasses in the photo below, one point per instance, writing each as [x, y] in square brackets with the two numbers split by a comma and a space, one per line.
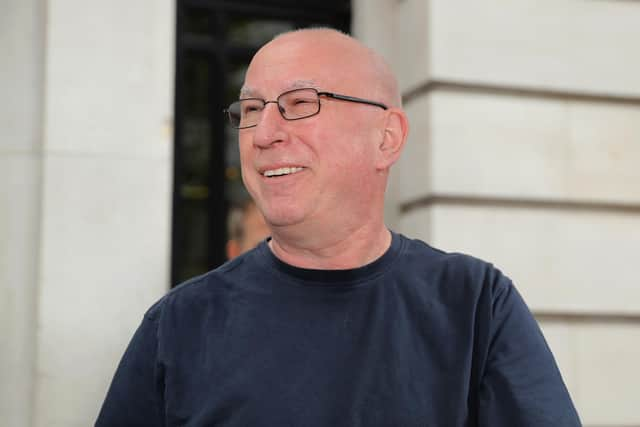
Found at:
[293, 105]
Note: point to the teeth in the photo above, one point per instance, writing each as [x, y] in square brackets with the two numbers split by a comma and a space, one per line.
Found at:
[281, 171]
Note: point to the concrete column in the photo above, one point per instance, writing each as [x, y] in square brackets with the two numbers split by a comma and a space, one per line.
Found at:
[85, 196]
[21, 87]
[106, 194]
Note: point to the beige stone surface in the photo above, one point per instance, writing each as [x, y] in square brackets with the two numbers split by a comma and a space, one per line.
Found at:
[370, 24]
[21, 75]
[566, 45]
[105, 257]
[598, 362]
[19, 232]
[412, 42]
[604, 162]
[606, 359]
[498, 146]
[562, 261]
[414, 171]
[106, 197]
[21, 89]
[517, 147]
[106, 88]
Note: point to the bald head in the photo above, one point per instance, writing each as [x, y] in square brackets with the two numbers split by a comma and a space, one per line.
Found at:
[349, 57]
[329, 171]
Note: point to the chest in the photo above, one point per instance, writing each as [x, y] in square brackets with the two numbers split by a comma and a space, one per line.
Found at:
[335, 364]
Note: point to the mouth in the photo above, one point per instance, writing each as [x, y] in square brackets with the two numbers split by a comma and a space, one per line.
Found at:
[271, 173]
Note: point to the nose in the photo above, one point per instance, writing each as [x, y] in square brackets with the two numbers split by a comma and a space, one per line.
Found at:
[269, 129]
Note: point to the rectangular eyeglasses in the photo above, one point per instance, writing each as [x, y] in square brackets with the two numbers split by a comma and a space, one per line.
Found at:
[294, 104]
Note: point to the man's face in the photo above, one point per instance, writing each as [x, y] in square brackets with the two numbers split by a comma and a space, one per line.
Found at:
[332, 154]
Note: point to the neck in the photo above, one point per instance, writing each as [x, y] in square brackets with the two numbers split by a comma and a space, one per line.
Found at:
[330, 249]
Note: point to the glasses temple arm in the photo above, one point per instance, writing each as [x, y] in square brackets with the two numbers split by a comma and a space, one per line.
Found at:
[352, 99]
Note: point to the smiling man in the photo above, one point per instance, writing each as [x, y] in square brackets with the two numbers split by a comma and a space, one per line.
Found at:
[335, 320]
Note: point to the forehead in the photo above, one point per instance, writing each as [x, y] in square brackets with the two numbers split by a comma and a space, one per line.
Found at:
[304, 61]
[249, 91]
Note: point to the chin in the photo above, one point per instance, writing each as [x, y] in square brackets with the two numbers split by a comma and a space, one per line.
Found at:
[280, 217]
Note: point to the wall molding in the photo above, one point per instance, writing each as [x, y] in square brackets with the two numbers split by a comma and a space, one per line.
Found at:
[519, 203]
[587, 317]
[417, 92]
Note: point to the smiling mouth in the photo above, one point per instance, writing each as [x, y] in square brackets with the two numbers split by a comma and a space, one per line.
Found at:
[270, 173]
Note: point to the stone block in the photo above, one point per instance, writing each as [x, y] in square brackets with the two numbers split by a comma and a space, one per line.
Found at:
[21, 75]
[118, 98]
[19, 225]
[412, 43]
[606, 361]
[598, 362]
[569, 46]
[413, 173]
[104, 261]
[489, 145]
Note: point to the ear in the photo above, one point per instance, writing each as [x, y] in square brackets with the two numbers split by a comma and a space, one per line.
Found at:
[394, 137]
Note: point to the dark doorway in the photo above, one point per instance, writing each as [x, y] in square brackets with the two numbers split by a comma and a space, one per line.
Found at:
[214, 42]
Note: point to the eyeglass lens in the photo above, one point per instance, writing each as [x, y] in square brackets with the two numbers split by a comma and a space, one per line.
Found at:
[293, 105]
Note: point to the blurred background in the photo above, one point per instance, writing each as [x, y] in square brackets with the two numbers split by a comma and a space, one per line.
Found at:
[118, 171]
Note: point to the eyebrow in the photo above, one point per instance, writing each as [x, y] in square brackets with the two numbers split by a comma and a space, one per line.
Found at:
[249, 92]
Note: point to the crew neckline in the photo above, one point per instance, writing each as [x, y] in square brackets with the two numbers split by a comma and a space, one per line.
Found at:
[327, 278]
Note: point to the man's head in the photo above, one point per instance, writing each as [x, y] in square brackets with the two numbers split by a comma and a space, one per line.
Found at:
[337, 160]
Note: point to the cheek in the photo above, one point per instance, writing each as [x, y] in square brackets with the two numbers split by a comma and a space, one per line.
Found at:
[352, 161]
[347, 150]
[350, 172]
[244, 144]
[246, 165]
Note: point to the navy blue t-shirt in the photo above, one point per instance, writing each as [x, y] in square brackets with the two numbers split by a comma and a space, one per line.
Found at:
[419, 337]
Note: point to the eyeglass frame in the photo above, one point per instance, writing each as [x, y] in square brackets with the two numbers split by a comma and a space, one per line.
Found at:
[331, 95]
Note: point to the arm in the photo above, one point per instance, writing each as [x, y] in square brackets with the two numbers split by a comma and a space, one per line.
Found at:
[135, 397]
[521, 384]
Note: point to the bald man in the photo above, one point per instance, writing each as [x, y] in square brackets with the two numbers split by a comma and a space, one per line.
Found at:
[335, 320]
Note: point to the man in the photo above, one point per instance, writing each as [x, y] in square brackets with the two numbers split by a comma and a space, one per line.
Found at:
[246, 229]
[335, 320]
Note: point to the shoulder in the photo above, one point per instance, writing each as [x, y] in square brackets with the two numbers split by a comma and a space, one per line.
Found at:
[200, 291]
[422, 257]
[451, 274]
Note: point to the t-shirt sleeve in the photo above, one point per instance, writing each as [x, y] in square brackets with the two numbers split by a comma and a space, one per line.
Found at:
[521, 385]
[135, 397]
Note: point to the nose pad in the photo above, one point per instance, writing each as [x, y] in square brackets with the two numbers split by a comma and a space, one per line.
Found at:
[266, 115]
[269, 128]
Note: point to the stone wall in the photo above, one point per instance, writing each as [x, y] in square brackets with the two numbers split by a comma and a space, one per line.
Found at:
[86, 160]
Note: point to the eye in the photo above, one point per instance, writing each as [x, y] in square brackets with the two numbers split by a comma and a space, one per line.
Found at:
[251, 107]
[298, 101]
